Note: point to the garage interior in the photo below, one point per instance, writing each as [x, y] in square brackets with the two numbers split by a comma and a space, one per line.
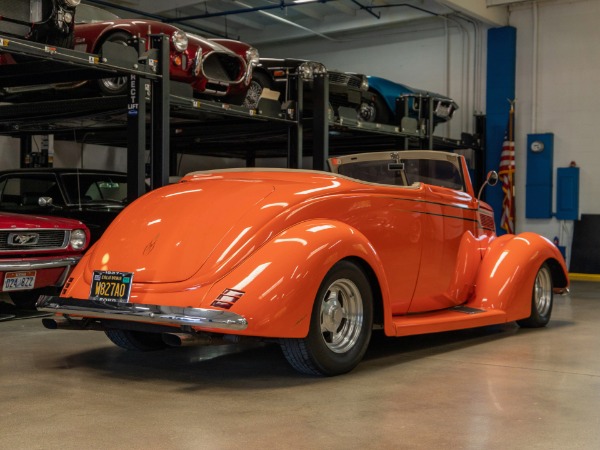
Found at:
[490, 387]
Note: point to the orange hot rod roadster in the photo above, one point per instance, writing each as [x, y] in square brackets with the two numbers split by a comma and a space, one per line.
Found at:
[313, 260]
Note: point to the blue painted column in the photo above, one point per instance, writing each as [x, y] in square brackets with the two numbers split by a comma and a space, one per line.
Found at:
[501, 69]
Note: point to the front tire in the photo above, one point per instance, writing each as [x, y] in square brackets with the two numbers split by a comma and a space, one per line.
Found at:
[340, 325]
[374, 111]
[541, 300]
[259, 82]
[138, 341]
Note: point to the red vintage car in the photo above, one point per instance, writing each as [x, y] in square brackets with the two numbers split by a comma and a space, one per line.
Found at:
[313, 260]
[37, 254]
[214, 67]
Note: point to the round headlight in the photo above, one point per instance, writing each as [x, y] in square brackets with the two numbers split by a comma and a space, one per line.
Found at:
[364, 84]
[180, 41]
[306, 70]
[319, 69]
[78, 239]
[71, 3]
[309, 69]
[68, 17]
[252, 56]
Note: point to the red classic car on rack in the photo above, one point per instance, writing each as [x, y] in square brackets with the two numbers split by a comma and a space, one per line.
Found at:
[37, 254]
[214, 67]
[313, 260]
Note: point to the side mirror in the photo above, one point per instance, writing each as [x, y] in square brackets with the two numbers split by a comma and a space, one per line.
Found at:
[45, 201]
[491, 179]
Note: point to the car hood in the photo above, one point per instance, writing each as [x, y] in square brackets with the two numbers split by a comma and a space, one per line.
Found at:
[209, 45]
[208, 221]
[10, 221]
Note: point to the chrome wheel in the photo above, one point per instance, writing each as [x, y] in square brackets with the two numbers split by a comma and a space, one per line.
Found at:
[341, 316]
[115, 85]
[541, 299]
[340, 324]
[367, 112]
[253, 95]
[542, 291]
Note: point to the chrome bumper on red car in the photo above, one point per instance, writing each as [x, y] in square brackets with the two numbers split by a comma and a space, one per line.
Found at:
[173, 315]
[8, 265]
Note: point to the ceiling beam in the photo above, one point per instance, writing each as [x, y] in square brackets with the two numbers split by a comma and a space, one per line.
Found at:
[492, 15]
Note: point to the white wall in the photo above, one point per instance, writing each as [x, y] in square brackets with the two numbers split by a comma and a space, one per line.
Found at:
[67, 154]
[568, 72]
[9, 153]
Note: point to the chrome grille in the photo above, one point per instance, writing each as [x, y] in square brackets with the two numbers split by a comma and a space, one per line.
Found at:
[487, 221]
[222, 67]
[345, 79]
[46, 240]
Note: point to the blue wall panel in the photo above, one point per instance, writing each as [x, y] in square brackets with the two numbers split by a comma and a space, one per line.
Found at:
[501, 68]
[567, 193]
[540, 160]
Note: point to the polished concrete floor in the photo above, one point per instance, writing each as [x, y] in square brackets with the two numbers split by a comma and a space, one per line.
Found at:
[492, 388]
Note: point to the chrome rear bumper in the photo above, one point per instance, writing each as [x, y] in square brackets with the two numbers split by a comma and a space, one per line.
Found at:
[160, 314]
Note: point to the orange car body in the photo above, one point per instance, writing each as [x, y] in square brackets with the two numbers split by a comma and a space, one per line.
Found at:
[247, 249]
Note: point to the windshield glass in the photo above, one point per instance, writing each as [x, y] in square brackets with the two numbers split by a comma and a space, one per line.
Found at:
[374, 172]
[96, 187]
[402, 168]
[91, 14]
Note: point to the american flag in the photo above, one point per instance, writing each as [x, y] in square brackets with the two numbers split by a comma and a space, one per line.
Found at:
[507, 178]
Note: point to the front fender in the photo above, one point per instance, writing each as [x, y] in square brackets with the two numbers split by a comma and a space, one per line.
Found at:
[280, 281]
[508, 270]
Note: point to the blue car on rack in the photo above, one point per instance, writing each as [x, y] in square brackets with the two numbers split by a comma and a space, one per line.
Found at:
[387, 102]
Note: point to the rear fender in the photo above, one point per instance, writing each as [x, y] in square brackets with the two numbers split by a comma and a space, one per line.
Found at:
[280, 281]
[508, 270]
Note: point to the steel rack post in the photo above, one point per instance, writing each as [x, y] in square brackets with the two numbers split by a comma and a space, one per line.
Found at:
[160, 114]
[25, 149]
[430, 124]
[136, 131]
[295, 131]
[320, 121]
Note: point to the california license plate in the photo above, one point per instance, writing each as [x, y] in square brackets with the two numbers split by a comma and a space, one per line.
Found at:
[108, 286]
[19, 281]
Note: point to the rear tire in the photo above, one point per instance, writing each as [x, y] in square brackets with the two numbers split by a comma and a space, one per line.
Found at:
[115, 85]
[136, 340]
[340, 325]
[541, 300]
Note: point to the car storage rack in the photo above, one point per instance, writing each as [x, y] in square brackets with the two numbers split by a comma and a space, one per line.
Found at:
[171, 107]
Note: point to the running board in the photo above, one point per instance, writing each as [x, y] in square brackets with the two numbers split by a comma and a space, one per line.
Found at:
[456, 318]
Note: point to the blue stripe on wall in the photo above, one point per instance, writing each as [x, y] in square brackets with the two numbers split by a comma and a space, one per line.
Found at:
[501, 69]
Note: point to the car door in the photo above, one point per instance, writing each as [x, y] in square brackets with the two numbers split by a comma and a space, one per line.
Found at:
[450, 250]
